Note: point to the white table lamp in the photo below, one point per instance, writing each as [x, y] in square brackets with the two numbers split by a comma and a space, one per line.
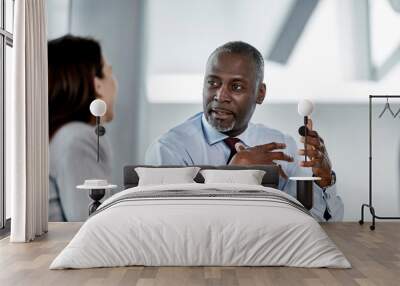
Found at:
[304, 185]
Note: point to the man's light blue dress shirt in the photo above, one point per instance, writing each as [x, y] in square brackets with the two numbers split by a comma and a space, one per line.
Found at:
[196, 142]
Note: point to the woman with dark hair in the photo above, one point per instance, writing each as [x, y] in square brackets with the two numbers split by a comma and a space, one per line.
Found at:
[78, 74]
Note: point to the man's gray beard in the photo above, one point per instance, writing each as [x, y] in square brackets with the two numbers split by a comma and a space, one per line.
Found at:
[217, 125]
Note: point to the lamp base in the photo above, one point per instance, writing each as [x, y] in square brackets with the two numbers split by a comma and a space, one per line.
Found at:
[96, 195]
[304, 193]
[304, 190]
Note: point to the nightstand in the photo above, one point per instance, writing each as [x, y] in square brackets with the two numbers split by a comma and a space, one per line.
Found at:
[97, 190]
[304, 190]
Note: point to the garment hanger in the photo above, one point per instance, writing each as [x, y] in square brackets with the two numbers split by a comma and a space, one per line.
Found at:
[387, 107]
[397, 113]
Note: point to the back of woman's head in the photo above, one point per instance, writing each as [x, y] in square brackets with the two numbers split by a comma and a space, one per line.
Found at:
[74, 62]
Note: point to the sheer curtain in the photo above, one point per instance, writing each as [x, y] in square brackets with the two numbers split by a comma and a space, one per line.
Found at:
[27, 124]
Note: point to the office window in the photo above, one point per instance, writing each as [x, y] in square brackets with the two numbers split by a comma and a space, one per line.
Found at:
[9, 19]
[329, 58]
[6, 43]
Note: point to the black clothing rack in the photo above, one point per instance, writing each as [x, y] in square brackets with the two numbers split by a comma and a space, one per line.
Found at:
[370, 205]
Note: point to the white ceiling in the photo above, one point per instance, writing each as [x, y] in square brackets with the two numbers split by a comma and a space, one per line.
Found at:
[181, 34]
[326, 64]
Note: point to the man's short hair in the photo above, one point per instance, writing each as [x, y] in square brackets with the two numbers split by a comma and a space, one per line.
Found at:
[242, 48]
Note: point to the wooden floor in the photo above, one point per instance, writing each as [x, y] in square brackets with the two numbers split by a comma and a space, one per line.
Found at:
[374, 255]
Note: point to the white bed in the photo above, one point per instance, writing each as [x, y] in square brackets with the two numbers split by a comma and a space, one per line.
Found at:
[222, 224]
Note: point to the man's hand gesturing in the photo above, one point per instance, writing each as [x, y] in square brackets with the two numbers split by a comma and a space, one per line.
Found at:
[261, 155]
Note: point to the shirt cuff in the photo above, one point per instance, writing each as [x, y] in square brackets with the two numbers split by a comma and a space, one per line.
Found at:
[320, 203]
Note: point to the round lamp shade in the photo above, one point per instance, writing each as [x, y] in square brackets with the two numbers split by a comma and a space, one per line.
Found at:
[305, 107]
[98, 107]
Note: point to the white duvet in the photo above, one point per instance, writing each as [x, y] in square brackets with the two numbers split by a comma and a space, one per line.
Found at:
[183, 231]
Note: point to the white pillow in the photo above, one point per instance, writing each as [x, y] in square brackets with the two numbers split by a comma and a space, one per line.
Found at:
[163, 176]
[248, 177]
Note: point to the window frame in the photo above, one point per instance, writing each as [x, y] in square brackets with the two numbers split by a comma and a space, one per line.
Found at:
[6, 39]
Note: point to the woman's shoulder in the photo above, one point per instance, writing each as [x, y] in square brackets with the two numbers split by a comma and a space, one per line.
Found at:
[74, 129]
[77, 142]
[76, 135]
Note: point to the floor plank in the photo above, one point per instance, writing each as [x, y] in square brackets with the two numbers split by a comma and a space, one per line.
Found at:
[375, 257]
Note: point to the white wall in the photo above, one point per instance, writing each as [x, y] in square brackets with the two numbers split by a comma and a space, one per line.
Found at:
[345, 130]
[58, 18]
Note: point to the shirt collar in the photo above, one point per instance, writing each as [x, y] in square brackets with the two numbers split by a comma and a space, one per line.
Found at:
[214, 136]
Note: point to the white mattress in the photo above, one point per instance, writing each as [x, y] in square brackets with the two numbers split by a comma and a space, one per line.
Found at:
[189, 230]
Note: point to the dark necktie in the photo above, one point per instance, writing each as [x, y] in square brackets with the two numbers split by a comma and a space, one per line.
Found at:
[327, 215]
[231, 142]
